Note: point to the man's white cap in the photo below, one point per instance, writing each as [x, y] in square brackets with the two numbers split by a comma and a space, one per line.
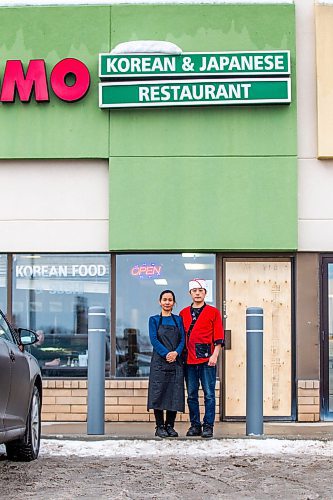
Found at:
[197, 283]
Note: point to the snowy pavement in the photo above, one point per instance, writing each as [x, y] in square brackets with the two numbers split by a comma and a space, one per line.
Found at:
[228, 469]
[209, 448]
[181, 448]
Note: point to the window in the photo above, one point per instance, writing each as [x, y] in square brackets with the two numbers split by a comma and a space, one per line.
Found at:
[52, 295]
[3, 283]
[140, 280]
[327, 338]
[5, 332]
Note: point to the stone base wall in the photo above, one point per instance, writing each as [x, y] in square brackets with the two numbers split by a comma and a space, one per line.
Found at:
[125, 401]
[308, 400]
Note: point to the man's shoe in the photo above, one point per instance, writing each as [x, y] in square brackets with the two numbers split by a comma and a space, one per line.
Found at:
[207, 431]
[171, 431]
[194, 430]
[161, 432]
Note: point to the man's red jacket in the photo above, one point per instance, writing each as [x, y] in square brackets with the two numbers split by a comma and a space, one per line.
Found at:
[206, 333]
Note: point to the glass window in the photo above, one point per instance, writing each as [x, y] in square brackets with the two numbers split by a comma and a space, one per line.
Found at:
[4, 330]
[140, 280]
[52, 295]
[3, 283]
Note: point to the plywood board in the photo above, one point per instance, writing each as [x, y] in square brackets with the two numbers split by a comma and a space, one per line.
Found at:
[265, 284]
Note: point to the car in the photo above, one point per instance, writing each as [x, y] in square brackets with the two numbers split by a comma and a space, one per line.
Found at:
[20, 393]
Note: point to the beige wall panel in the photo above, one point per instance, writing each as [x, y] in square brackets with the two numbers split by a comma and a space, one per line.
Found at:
[315, 235]
[324, 56]
[315, 181]
[306, 79]
[315, 207]
[54, 206]
[57, 190]
[54, 236]
[265, 284]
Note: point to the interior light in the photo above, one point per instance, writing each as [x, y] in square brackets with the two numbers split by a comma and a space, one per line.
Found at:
[160, 281]
[30, 256]
[193, 255]
[192, 266]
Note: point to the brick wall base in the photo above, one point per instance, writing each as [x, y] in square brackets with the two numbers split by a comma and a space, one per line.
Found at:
[125, 401]
[308, 400]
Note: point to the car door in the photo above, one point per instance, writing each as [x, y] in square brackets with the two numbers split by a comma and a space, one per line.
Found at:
[19, 390]
[5, 369]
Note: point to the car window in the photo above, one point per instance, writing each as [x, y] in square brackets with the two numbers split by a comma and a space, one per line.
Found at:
[5, 331]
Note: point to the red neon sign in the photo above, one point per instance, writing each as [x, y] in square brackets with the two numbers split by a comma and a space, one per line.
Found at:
[146, 270]
[15, 82]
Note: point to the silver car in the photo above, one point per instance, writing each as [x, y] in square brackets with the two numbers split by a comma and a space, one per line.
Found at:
[20, 393]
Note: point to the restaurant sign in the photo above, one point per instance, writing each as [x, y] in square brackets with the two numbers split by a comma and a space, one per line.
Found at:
[194, 92]
[194, 79]
[194, 64]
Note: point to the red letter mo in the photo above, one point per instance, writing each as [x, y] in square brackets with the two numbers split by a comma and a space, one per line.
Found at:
[58, 79]
[14, 81]
[14, 78]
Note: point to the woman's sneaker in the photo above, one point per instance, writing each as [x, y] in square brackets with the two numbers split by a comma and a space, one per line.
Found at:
[171, 431]
[161, 432]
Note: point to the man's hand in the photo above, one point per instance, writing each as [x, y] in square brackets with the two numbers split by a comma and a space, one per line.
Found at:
[212, 360]
[171, 356]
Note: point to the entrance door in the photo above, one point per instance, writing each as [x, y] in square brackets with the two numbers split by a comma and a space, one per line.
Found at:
[267, 284]
[327, 339]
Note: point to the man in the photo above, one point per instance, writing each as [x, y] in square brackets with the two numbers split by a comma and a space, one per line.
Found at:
[204, 340]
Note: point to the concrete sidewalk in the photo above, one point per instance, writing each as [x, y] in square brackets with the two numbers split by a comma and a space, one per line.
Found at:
[222, 430]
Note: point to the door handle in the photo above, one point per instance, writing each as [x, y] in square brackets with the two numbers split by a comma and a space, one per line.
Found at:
[12, 356]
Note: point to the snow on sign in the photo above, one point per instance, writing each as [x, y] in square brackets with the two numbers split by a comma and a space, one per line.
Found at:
[194, 92]
[194, 64]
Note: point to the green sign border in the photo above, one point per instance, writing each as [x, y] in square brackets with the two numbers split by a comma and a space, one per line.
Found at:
[138, 75]
[193, 103]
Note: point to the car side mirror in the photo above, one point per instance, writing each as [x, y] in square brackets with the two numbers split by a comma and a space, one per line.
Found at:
[27, 337]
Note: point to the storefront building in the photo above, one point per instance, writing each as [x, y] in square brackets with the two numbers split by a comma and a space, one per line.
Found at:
[105, 206]
[315, 245]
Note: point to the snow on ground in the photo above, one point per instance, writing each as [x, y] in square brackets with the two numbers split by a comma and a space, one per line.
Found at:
[155, 448]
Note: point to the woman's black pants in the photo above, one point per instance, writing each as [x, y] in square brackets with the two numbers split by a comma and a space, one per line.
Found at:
[170, 417]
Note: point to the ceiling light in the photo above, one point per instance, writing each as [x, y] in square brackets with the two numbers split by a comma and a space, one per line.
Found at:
[160, 281]
[193, 255]
[191, 266]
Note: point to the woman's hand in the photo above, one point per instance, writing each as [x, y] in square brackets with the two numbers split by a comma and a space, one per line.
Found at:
[171, 356]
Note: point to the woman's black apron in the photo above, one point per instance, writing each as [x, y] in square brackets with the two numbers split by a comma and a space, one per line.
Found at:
[166, 380]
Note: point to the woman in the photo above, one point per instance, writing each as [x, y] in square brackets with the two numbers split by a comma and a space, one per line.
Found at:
[166, 379]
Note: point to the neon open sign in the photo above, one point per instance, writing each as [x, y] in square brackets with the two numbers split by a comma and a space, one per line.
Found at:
[146, 271]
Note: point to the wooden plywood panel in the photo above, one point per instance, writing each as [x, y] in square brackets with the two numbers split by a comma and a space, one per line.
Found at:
[265, 284]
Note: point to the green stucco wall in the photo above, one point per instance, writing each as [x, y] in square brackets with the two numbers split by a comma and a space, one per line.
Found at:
[189, 203]
[208, 178]
[56, 129]
[219, 178]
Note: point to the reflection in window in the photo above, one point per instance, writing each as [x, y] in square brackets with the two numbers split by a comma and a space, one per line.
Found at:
[140, 280]
[52, 295]
[3, 283]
